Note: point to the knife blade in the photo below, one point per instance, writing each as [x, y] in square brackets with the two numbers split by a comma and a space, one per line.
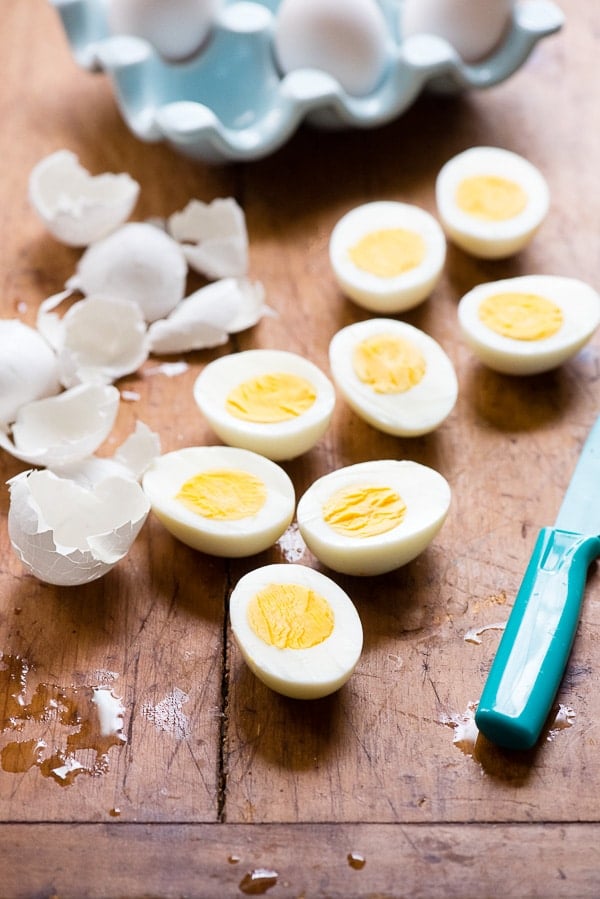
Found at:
[532, 655]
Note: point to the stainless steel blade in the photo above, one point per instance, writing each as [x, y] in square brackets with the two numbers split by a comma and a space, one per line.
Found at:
[580, 509]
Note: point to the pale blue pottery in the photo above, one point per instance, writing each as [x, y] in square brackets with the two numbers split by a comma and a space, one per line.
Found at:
[231, 103]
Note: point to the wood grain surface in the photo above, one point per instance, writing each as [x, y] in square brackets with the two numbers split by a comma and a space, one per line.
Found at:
[219, 777]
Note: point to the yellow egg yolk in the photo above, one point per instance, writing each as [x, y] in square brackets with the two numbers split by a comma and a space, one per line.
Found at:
[388, 364]
[389, 252]
[522, 316]
[491, 198]
[290, 616]
[223, 494]
[269, 398]
[364, 511]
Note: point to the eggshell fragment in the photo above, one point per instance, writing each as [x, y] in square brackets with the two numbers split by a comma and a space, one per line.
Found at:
[62, 429]
[75, 206]
[28, 368]
[139, 263]
[66, 534]
[131, 460]
[214, 237]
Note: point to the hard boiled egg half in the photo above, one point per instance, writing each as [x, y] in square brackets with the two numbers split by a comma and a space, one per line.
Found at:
[372, 517]
[394, 376]
[530, 324]
[220, 500]
[387, 256]
[491, 201]
[297, 630]
[269, 401]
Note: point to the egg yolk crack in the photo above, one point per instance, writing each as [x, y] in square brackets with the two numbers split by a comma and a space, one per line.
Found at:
[290, 616]
[272, 397]
[364, 510]
[389, 252]
[388, 364]
[491, 198]
[223, 494]
[522, 316]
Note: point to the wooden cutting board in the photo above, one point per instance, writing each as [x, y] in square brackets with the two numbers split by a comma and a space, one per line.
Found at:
[219, 786]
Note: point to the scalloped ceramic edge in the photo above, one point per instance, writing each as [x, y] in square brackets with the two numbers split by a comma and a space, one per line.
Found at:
[246, 109]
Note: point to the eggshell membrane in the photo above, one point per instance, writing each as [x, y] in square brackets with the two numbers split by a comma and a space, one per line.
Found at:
[579, 303]
[214, 237]
[232, 539]
[418, 410]
[28, 368]
[491, 239]
[298, 673]
[425, 492]
[392, 294]
[66, 534]
[76, 207]
[474, 29]
[276, 440]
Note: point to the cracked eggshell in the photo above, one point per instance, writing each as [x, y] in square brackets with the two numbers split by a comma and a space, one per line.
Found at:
[131, 460]
[66, 534]
[76, 207]
[28, 368]
[139, 263]
[65, 428]
[214, 237]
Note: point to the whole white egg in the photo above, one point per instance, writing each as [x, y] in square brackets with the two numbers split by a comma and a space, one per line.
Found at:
[473, 27]
[273, 402]
[394, 376]
[387, 256]
[373, 517]
[220, 500]
[529, 324]
[176, 28]
[349, 40]
[491, 201]
[297, 630]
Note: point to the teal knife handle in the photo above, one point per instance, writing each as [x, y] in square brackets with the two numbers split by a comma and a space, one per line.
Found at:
[534, 649]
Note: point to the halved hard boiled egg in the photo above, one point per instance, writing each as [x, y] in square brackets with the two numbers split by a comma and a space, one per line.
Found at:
[491, 201]
[394, 376]
[387, 256]
[529, 324]
[220, 500]
[297, 630]
[270, 401]
[373, 517]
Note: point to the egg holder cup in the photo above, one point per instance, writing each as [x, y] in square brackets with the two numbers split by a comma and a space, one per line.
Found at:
[230, 102]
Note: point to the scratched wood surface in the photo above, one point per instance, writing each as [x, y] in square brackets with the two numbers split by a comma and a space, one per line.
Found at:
[218, 776]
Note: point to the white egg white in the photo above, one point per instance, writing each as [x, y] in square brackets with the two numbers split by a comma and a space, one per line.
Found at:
[275, 440]
[242, 537]
[483, 238]
[425, 492]
[389, 294]
[580, 305]
[298, 673]
[416, 411]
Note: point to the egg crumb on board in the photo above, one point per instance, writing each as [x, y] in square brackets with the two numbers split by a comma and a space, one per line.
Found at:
[220, 499]
[272, 402]
[491, 201]
[387, 256]
[529, 324]
[297, 630]
[372, 517]
[393, 375]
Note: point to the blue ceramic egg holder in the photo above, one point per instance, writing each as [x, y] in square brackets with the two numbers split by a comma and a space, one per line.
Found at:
[231, 103]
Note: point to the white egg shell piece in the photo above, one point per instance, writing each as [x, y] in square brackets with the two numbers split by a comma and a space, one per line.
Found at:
[349, 41]
[175, 28]
[387, 256]
[300, 673]
[223, 522]
[28, 368]
[576, 303]
[418, 409]
[214, 237]
[506, 203]
[65, 428]
[67, 534]
[130, 460]
[137, 262]
[277, 440]
[356, 492]
[474, 29]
